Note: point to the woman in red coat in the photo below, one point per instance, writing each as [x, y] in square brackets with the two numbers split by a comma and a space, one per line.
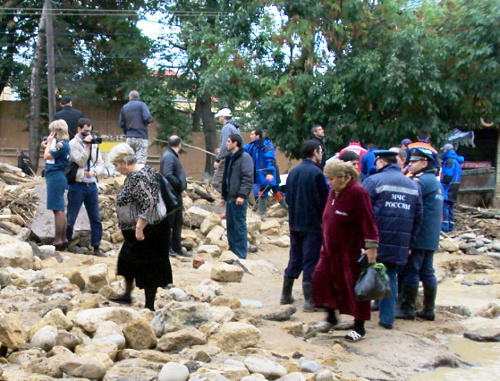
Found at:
[349, 231]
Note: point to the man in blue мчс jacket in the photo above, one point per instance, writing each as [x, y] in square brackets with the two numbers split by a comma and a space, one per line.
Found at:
[451, 175]
[134, 120]
[266, 170]
[397, 206]
[237, 181]
[306, 194]
[420, 263]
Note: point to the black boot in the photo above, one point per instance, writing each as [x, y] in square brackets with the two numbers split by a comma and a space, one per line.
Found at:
[427, 312]
[406, 303]
[286, 294]
[308, 298]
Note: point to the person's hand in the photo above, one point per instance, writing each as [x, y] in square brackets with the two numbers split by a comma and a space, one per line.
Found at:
[223, 202]
[269, 178]
[240, 201]
[371, 254]
[139, 234]
[88, 139]
[89, 173]
[44, 143]
[51, 137]
[216, 165]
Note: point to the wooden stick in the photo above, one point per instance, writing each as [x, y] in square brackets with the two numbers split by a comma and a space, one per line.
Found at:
[184, 144]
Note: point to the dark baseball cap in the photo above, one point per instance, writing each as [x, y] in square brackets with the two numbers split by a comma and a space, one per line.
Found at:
[65, 100]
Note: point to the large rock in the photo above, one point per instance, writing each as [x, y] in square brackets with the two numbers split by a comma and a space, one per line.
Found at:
[195, 216]
[109, 332]
[56, 318]
[45, 338]
[268, 368]
[14, 253]
[278, 313]
[253, 225]
[215, 234]
[90, 319]
[135, 369]
[173, 371]
[68, 340]
[484, 335]
[98, 277]
[449, 245]
[83, 367]
[222, 272]
[270, 227]
[12, 333]
[213, 250]
[109, 349]
[283, 241]
[235, 336]
[209, 223]
[139, 334]
[175, 316]
[276, 211]
[183, 338]
[46, 366]
[208, 290]
[75, 277]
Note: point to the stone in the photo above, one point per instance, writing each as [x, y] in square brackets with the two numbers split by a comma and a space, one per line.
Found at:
[232, 362]
[176, 315]
[234, 373]
[295, 376]
[279, 313]
[12, 333]
[57, 319]
[4, 278]
[228, 257]
[491, 311]
[109, 349]
[296, 329]
[468, 236]
[276, 211]
[449, 245]
[308, 366]
[325, 375]
[133, 370]
[173, 371]
[209, 376]
[139, 334]
[484, 335]
[68, 340]
[283, 241]
[196, 215]
[14, 253]
[197, 262]
[24, 356]
[98, 277]
[222, 272]
[75, 277]
[226, 301]
[266, 367]
[222, 314]
[223, 245]
[117, 237]
[177, 294]
[189, 234]
[178, 340]
[109, 332]
[234, 336]
[83, 367]
[90, 319]
[270, 227]
[46, 366]
[496, 245]
[45, 338]
[213, 250]
[214, 235]
[209, 223]
[147, 354]
[253, 225]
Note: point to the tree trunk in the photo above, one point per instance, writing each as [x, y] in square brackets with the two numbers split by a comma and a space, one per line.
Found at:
[51, 81]
[209, 130]
[197, 117]
[36, 96]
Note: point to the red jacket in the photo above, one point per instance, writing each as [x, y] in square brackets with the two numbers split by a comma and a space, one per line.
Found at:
[358, 149]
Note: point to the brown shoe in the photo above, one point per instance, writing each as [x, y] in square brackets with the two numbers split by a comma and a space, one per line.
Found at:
[98, 253]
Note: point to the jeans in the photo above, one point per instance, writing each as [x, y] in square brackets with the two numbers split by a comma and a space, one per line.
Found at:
[419, 268]
[236, 218]
[387, 306]
[448, 223]
[304, 255]
[175, 228]
[81, 193]
[140, 147]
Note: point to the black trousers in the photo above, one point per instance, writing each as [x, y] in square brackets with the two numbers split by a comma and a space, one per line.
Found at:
[175, 229]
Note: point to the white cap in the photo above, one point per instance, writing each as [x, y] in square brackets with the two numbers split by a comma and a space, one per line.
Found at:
[224, 112]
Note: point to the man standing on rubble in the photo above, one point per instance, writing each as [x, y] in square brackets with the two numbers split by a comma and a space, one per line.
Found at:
[70, 115]
[306, 194]
[229, 127]
[451, 175]
[420, 265]
[171, 168]
[237, 181]
[266, 170]
[84, 189]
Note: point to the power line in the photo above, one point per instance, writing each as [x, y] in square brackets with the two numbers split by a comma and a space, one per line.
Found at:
[98, 12]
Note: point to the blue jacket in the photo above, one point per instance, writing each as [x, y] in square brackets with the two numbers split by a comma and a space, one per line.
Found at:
[264, 158]
[451, 175]
[368, 166]
[134, 119]
[427, 237]
[306, 195]
[397, 206]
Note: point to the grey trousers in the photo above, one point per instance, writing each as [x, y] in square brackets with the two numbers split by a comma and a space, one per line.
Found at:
[217, 178]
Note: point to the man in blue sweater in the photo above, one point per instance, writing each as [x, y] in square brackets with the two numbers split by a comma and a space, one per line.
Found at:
[451, 175]
[306, 194]
[420, 265]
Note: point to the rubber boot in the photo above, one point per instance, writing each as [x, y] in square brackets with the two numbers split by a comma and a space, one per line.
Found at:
[283, 204]
[286, 294]
[262, 206]
[308, 298]
[406, 308]
[427, 312]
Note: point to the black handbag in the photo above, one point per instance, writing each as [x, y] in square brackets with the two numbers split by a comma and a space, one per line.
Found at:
[71, 171]
[373, 283]
[171, 199]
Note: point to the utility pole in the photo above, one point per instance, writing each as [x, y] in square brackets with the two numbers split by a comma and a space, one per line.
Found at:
[35, 95]
[51, 81]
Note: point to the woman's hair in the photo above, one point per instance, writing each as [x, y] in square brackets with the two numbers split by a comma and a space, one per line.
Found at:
[122, 153]
[339, 168]
[60, 127]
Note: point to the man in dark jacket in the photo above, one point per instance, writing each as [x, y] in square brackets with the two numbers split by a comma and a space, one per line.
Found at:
[318, 133]
[171, 168]
[237, 181]
[306, 194]
[420, 263]
[24, 163]
[397, 206]
[69, 115]
[134, 120]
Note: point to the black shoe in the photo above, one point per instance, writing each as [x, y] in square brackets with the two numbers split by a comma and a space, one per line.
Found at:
[183, 253]
[62, 246]
[386, 326]
[121, 299]
[98, 253]
[171, 252]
